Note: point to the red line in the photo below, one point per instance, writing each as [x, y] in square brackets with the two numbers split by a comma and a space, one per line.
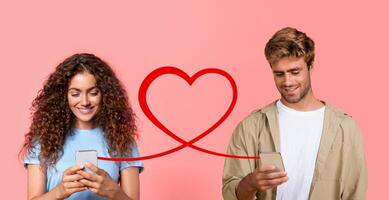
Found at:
[143, 103]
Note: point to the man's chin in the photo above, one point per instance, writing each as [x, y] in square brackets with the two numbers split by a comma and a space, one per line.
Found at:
[292, 100]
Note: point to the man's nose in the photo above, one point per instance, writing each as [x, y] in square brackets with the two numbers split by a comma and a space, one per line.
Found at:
[287, 80]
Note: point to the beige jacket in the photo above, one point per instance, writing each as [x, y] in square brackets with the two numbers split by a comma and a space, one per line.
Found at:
[340, 170]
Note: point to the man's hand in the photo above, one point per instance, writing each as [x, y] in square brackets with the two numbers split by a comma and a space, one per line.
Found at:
[262, 179]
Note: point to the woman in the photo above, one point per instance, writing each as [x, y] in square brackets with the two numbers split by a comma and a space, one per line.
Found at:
[82, 106]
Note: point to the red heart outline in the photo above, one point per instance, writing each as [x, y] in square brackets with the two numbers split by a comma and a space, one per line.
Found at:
[144, 106]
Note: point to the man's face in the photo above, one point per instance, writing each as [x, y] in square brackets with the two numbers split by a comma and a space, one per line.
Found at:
[292, 79]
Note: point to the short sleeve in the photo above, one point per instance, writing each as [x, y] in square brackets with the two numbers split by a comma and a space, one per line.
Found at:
[137, 163]
[32, 155]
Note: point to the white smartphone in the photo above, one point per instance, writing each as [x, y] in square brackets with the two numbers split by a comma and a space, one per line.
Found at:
[272, 158]
[84, 156]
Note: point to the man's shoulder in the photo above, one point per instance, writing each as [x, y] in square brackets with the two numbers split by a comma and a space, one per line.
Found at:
[259, 113]
[340, 116]
[347, 124]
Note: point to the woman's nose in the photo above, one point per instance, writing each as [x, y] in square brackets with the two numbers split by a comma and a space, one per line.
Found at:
[85, 100]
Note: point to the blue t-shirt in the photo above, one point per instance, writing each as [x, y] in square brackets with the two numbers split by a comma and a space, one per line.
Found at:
[83, 140]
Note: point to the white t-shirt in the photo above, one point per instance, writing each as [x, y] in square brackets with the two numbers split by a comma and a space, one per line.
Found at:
[300, 134]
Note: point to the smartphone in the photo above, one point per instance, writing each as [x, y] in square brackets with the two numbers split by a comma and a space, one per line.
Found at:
[84, 156]
[272, 158]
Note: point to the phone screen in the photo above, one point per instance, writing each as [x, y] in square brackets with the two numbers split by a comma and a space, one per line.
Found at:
[85, 156]
[272, 158]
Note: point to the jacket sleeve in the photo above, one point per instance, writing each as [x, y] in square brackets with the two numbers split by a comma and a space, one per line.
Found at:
[356, 180]
[236, 169]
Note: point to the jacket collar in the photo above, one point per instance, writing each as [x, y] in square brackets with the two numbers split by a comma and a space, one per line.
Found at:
[271, 113]
[331, 121]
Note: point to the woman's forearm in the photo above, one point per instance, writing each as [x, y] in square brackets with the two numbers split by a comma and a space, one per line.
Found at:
[53, 194]
[121, 195]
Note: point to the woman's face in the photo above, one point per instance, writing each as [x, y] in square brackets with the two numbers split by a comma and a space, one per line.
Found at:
[84, 99]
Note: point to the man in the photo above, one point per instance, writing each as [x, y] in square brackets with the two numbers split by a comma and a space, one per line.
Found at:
[321, 147]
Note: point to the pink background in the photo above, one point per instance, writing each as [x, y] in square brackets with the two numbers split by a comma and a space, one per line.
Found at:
[136, 37]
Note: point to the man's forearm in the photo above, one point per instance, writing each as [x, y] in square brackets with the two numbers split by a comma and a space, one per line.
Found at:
[245, 191]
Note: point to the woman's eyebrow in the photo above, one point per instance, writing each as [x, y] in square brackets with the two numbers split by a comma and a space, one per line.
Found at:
[79, 90]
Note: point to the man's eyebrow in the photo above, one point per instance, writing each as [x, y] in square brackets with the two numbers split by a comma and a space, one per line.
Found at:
[278, 71]
[294, 69]
[289, 70]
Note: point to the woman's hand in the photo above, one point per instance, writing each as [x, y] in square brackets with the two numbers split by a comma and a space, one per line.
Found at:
[70, 182]
[101, 183]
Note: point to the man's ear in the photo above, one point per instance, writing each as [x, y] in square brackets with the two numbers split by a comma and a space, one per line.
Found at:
[310, 67]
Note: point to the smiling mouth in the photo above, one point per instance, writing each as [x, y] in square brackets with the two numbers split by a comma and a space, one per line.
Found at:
[290, 90]
[86, 110]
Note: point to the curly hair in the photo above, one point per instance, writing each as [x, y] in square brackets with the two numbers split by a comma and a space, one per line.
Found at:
[52, 119]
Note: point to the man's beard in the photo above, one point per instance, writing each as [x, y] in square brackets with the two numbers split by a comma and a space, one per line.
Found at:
[298, 98]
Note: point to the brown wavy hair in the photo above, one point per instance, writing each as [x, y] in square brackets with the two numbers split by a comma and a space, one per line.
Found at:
[290, 42]
[53, 121]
